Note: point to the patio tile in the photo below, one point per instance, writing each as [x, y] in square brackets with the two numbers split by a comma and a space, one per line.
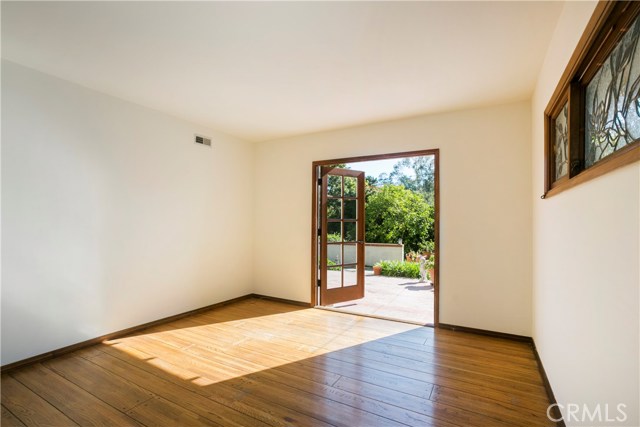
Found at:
[394, 297]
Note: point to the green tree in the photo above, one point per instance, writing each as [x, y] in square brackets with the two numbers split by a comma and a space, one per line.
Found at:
[421, 181]
[394, 212]
[371, 186]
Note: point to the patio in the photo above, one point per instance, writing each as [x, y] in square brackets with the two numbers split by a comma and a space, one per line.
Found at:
[395, 298]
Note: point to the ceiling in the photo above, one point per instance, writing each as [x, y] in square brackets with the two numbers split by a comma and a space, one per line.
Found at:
[266, 70]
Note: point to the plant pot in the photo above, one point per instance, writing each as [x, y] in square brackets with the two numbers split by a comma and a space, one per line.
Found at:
[377, 270]
[432, 274]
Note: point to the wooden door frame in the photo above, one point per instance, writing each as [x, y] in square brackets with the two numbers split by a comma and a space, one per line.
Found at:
[314, 216]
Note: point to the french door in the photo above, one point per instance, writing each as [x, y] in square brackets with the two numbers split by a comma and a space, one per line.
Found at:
[341, 235]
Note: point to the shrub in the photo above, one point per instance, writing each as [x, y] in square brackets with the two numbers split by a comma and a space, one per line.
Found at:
[431, 263]
[428, 247]
[330, 264]
[334, 237]
[400, 269]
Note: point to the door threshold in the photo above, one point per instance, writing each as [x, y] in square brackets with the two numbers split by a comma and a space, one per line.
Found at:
[373, 316]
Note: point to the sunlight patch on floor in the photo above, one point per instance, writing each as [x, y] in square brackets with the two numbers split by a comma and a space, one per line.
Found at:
[219, 350]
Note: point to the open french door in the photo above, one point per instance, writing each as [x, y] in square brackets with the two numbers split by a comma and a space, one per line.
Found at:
[341, 235]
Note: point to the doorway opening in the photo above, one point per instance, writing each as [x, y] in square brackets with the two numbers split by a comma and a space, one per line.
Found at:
[375, 236]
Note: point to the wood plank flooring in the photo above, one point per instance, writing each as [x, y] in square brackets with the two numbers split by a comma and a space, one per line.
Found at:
[259, 363]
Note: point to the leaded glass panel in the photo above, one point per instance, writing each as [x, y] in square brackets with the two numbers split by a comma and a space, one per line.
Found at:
[560, 144]
[612, 100]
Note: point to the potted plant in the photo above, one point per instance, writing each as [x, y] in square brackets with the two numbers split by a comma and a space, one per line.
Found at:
[377, 269]
[428, 249]
[431, 267]
[412, 256]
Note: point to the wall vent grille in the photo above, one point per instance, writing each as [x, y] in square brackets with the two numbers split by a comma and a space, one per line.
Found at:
[202, 140]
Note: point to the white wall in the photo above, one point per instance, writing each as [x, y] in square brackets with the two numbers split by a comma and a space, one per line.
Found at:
[373, 253]
[112, 216]
[585, 261]
[485, 272]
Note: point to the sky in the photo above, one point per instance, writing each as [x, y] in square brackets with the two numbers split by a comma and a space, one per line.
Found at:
[376, 167]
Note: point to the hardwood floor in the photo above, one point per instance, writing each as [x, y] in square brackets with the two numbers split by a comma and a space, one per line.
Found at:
[257, 363]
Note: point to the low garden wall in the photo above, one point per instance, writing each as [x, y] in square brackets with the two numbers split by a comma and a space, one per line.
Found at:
[373, 253]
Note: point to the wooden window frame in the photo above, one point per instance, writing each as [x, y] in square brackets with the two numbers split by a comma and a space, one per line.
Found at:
[607, 26]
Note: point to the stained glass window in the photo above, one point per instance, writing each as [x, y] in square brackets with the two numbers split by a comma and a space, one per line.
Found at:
[592, 121]
[561, 143]
[612, 100]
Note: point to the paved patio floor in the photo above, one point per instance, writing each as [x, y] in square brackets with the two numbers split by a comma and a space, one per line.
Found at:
[394, 298]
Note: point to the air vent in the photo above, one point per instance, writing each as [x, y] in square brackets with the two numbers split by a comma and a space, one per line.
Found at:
[202, 140]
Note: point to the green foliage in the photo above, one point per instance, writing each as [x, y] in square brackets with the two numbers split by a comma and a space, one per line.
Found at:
[371, 186]
[398, 205]
[330, 265]
[429, 247]
[338, 186]
[422, 179]
[400, 269]
[333, 238]
[393, 213]
[431, 263]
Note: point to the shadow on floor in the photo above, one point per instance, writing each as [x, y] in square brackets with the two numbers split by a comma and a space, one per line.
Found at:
[290, 367]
